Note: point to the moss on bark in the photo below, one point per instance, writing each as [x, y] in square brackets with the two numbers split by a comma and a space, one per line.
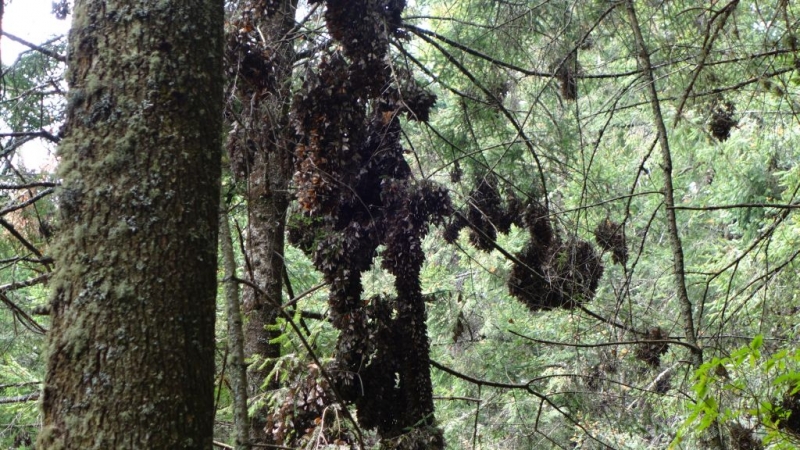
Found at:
[132, 343]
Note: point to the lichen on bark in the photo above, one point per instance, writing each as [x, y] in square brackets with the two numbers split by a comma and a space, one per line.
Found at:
[131, 347]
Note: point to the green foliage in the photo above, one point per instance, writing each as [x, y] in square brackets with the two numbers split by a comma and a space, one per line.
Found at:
[18, 416]
[504, 75]
[748, 388]
[599, 160]
[33, 92]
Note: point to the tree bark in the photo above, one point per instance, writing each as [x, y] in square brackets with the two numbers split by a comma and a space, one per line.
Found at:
[233, 314]
[713, 439]
[131, 353]
[2, 12]
[266, 131]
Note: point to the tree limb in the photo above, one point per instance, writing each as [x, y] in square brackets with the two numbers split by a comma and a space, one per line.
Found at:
[28, 185]
[41, 133]
[28, 202]
[39, 49]
[739, 205]
[20, 238]
[25, 283]
[33, 396]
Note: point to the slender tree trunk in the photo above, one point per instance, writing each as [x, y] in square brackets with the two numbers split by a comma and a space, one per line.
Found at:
[268, 136]
[235, 336]
[713, 440]
[2, 12]
[131, 352]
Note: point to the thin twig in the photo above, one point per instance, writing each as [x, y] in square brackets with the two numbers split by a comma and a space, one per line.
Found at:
[526, 387]
[498, 104]
[710, 37]
[605, 344]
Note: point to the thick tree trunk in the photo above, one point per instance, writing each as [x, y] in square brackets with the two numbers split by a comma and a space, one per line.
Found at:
[267, 135]
[131, 360]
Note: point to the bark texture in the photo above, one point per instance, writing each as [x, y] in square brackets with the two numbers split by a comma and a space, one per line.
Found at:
[264, 55]
[233, 314]
[131, 360]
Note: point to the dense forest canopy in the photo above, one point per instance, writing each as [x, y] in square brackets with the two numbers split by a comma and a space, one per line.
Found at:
[473, 224]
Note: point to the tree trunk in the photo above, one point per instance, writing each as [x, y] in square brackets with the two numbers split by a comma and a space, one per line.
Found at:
[131, 354]
[267, 136]
[712, 438]
[233, 313]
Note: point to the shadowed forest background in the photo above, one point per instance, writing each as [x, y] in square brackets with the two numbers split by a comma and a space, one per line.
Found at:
[471, 224]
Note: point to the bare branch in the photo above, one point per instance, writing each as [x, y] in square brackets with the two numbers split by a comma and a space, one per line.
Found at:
[496, 102]
[23, 317]
[679, 270]
[39, 49]
[739, 205]
[26, 283]
[20, 238]
[235, 348]
[710, 37]
[605, 344]
[41, 134]
[33, 396]
[28, 202]
[9, 187]
[16, 385]
[524, 386]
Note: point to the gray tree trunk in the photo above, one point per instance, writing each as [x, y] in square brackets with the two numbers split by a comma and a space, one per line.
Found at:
[131, 352]
[712, 438]
[268, 96]
[233, 313]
